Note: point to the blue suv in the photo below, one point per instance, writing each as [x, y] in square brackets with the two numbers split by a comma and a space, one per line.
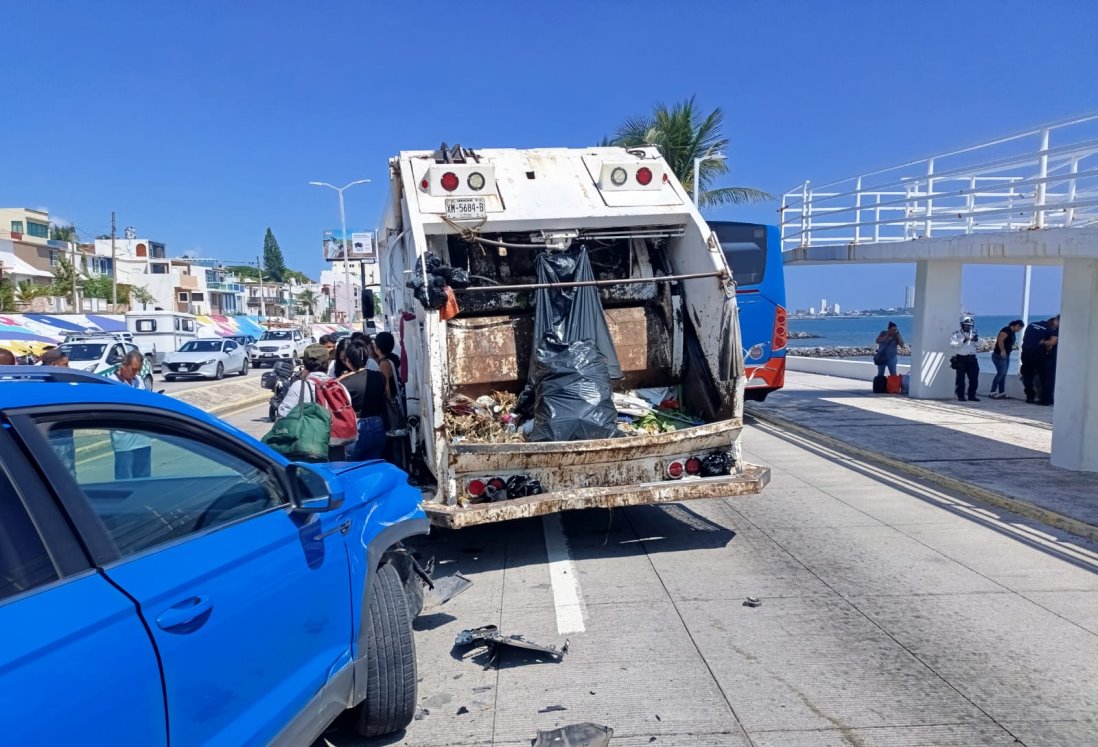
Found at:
[166, 579]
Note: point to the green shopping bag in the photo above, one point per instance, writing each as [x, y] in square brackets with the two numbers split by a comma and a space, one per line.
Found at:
[303, 434]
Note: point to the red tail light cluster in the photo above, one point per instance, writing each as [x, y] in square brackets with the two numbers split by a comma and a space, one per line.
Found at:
[781, 330]
[644, 176]
[498, 489]
[707, 465]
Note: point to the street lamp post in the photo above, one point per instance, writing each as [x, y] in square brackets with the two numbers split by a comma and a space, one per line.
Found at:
[709, 156]
[343, 229]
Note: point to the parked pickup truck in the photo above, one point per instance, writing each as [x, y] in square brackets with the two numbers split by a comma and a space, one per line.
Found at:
[279, 344]
[219, 595]
[667, 294]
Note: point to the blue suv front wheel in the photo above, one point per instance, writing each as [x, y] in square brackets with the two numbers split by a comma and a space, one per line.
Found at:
[391, 658]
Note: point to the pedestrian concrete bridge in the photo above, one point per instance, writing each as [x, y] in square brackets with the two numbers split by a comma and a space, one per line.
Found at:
[1025, 199]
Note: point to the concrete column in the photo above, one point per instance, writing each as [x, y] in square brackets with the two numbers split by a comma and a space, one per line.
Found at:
[937, 315]
[1075, 416]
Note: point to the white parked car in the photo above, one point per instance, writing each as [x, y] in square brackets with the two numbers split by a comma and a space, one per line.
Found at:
[280, 344]
[102, 355]
[211, 359]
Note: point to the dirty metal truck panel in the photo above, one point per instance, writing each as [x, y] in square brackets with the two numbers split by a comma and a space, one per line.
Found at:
[752, 480]
[495, 350]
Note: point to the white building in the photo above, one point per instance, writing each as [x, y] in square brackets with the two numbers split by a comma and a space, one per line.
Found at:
[836, 309]
[909, 297]
[195, 286]
[823, 307]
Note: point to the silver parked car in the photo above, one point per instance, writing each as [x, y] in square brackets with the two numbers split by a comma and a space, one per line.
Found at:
[211, 359]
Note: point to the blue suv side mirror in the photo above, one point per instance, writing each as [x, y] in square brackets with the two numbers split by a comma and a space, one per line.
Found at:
[310, 491]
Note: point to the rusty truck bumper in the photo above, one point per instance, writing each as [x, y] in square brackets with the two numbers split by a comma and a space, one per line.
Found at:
[750, 480]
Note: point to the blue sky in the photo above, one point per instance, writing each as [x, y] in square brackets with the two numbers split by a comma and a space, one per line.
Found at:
[201, 122]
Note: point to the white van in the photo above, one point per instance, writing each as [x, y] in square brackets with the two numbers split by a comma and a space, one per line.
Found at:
[158, 333]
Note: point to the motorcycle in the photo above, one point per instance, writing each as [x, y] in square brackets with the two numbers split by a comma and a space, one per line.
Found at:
[278, 380]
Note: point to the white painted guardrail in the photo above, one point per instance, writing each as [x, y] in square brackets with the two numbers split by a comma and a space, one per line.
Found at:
[1045, 177]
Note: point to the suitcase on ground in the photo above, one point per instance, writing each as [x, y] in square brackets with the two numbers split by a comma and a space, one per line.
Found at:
[895, 384]
[880, 384]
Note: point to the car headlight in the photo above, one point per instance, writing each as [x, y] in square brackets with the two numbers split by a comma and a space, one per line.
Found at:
[285, 346]
[207, 363]
[91, 368]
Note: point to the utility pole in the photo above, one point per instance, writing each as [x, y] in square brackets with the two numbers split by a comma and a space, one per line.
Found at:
[262, 301]
[75, 308]
[114, 271]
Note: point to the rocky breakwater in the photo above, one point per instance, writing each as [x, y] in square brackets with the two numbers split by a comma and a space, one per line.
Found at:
[985, 345]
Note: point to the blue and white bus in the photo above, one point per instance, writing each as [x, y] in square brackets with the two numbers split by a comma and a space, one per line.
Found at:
[753, 253]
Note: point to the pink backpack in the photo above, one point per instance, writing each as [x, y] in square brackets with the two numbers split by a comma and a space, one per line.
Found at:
[333, 397]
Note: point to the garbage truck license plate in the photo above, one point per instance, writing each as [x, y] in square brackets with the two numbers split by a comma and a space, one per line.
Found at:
[465, 208]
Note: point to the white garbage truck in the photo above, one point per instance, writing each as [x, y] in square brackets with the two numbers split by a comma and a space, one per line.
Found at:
[479, 220]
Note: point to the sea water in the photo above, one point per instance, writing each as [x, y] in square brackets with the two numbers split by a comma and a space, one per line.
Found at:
[862, 331]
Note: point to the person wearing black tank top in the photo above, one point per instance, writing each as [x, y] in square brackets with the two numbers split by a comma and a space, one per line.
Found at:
[367, 390]
[389, 363]
[1000, 357]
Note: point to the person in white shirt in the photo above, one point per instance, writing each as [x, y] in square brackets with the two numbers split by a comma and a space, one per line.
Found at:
[315, 362]
[132, 451]
[965, 362]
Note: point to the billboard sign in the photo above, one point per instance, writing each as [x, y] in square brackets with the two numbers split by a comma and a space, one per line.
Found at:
[362, 246]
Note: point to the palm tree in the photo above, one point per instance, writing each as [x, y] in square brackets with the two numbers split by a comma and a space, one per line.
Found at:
[308, 300]
[28, 290]
[683, 134]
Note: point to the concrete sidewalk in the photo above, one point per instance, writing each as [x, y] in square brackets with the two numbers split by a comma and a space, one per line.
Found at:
[994, 450]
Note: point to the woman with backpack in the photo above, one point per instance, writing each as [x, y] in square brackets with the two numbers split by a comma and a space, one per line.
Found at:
[316, 386]
[367, 390]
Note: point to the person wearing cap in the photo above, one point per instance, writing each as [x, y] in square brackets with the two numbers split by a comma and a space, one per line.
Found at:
[964, 342]
[55, 357]
[315, 363]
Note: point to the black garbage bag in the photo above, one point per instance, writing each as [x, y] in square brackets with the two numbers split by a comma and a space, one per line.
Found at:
[573, 399]
[433, 294]
[455, 277]
[572, 313]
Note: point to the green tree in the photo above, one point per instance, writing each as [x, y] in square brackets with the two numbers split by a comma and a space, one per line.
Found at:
[274, 264]
[298, 276]
[683, 133]
[7, 295]
[63, 233]
[63, 275]
[140, 294]
[25, 291]
[308, 299]
[99, 286]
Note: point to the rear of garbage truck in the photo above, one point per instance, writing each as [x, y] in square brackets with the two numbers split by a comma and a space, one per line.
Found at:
[460, 243]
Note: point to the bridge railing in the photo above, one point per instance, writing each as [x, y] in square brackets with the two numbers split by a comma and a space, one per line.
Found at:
[1042, 178]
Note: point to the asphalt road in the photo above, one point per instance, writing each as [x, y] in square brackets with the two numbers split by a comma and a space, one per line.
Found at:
[891, 614]
[180, 385]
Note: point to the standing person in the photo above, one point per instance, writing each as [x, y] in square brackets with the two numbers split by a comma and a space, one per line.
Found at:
[888, 344]
[1035, 348]
[964, 340]
[367, 390]
[7, 358]
[132, 451]
[389, 365]
[1048, 376]
[315, 363]
[1005, 342]
[55, 357]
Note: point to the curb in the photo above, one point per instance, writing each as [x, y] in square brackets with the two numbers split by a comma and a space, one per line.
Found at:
[244, 404]
[1016, 505]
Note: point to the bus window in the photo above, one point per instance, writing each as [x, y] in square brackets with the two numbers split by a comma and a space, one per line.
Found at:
[744, 247]
[146, 325]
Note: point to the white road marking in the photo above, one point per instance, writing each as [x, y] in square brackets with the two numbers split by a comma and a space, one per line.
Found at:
[562, 573]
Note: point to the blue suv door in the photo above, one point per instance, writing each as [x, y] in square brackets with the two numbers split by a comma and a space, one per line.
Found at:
[248, 602]
[75, 654]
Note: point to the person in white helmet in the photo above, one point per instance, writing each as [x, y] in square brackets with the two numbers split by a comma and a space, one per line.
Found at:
[964, 362]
